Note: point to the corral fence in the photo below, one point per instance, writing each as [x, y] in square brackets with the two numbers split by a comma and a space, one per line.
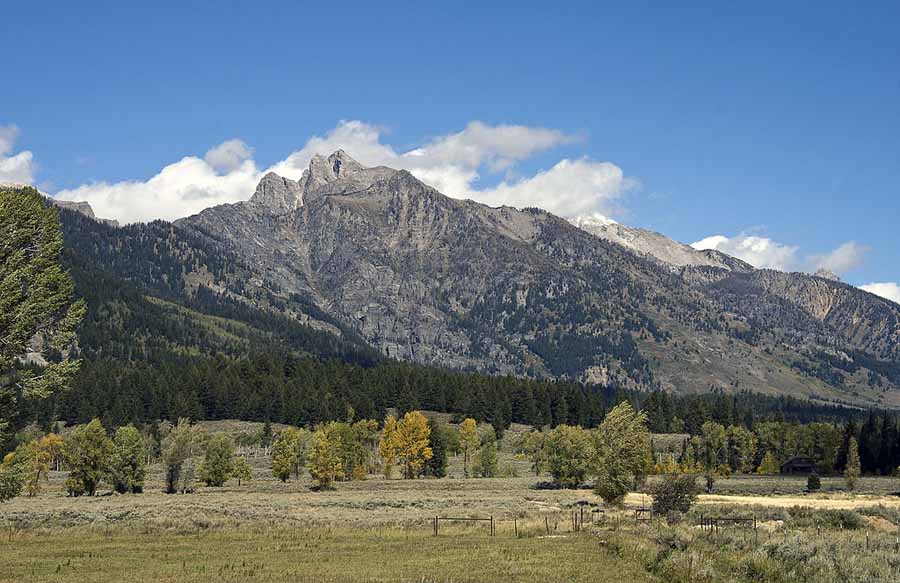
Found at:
[436, 522]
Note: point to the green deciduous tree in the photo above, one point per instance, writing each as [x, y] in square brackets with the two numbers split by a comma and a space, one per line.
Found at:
[218, 460]
[37, 312]
[87, 452]
[769, 465]
[128, 461]
[288, 453]
[241, 471]
[621, 443]
[179, 445]
[568, 452]
[485, 465]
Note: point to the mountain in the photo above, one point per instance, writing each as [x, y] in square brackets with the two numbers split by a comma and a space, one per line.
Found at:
[657, 246]
[429, 279]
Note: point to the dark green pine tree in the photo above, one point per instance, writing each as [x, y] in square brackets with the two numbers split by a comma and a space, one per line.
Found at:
[36, 300]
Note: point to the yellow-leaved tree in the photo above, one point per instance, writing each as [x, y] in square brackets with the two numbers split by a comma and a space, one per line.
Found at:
[407, 441]
[326, 465]
[468, 440]
[387, 447]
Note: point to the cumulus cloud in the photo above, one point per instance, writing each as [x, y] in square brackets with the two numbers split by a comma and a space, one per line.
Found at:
[15, 168]
[887, 290]
[178, 190]
[228, 156]
[452, 163]
[766, 253]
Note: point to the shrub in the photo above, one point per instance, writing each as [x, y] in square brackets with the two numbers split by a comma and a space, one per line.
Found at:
[813, 483]
[675, 493]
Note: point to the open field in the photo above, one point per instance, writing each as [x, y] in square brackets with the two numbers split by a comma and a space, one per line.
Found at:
[322, 554]
[381, 530]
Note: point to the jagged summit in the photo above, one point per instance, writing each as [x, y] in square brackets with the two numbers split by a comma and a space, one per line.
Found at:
[278, 193]
[335, 174]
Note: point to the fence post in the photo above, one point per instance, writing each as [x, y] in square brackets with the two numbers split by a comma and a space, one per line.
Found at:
[547, 524]
[516, 527]
[492, 525]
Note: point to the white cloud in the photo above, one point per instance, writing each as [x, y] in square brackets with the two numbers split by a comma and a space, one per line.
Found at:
[452, 164]
[16, 168]
[766, 253]
[228, 156]
[888, 290]
[180, 189]
[843, 259]
[758, 251]
[570, 188]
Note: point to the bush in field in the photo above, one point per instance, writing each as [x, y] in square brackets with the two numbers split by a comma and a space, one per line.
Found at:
[87, 453]
[567, 455]
[813, 483]
[218, 460]
[127, 464]
[674, 493]
[620, 443]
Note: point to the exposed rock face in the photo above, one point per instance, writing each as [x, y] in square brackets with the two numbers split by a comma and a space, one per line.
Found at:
[82, 208]
[656, 245]
[827, 274]
[436, 280]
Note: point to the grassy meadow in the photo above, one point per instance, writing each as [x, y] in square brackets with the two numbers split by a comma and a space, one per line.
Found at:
[381, 530]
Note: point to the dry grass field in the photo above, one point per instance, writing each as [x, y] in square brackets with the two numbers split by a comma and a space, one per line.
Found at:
[381, 530]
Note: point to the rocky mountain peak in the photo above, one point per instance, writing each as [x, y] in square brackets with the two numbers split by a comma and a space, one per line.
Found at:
[278, 193]
[827, 274]
[82, 208]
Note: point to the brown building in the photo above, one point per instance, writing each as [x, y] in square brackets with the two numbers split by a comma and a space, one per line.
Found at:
[799, 465]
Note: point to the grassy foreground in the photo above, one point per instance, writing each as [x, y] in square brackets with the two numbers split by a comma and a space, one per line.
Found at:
[318, 554]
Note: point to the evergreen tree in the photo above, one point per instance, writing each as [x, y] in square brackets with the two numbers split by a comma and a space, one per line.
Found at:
[852, 472]
[437, 440]
[35, 300]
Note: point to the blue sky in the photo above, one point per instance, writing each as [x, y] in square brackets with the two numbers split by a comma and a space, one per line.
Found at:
[778, 121]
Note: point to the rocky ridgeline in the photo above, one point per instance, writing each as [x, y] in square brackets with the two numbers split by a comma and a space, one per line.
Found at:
[436, 280]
